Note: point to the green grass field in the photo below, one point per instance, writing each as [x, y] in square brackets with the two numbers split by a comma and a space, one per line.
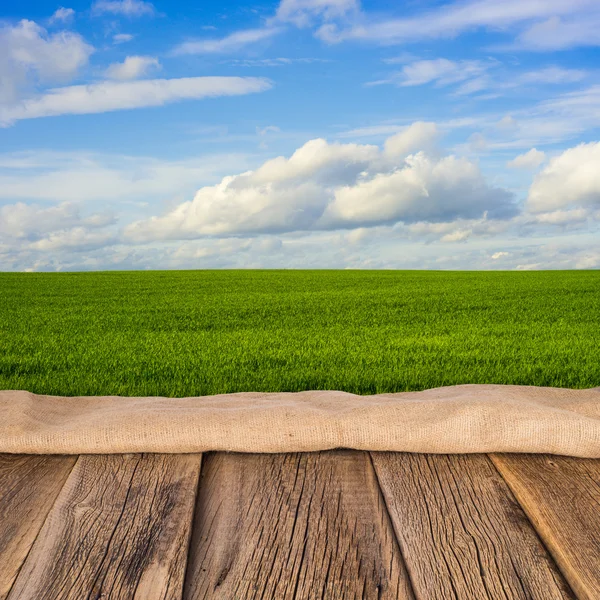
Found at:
[183, 333]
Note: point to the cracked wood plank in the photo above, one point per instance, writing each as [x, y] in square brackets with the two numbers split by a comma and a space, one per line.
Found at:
[461, 532]
[561, 496]
[29, 486]
[119, 529]
[302, 526]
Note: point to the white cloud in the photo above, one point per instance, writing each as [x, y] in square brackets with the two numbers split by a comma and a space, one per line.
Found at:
[372, 131]
[28, 55]
[230, 43]
[462, 235]
[112, 95]
[557, 120]
[121, 38]
[268, 129]
[304, 12]
[552, 75]
[452, 19]
[273, 62]
[473, 76]
[559, 33]
[76, 239]
[529, 160]
[62, 15]
[565, 217]
[127, 8]
[418, 136]
[570, 180]
[328, 186]
[133, 67]
[31, 221]
[441, 71]
[498, 255]
[127, 182]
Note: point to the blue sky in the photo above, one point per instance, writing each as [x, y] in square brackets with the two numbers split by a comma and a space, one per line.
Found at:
[300, 134]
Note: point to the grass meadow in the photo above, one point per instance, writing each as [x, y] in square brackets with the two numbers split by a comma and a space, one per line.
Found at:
[187, 333]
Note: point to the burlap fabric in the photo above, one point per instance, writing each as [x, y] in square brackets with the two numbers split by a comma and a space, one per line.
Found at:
[457, 419]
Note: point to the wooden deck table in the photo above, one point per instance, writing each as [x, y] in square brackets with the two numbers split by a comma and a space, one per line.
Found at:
[324, 525]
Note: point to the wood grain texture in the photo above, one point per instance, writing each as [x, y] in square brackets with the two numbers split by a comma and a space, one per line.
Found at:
[119, 529]
[561, 497]
[29, 486]
[461, 532]
[302, 526]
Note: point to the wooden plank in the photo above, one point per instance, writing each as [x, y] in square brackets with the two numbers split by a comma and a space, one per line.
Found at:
[29, 486]
[561, 497]
[461, 532]
[119, 529]
[302, 526]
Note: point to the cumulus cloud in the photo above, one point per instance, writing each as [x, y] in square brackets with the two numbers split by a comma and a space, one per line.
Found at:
[62, 15]
[115, 95]
[334, 186]
[529, 160]
[418, 136]
[229, 43]
[28, 54]
[132, 67]
[127, 8]
[570, 180]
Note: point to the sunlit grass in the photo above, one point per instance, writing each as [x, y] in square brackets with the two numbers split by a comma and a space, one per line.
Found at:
[188, 333]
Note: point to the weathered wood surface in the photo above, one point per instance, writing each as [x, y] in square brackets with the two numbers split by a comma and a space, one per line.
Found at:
[119, 529]
[29, 486]
[302, 526]
[461, 532]
[561, 497]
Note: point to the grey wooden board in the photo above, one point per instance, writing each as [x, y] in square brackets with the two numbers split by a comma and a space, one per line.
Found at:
[461, 532]
[29, 486]
[119, 529]
[561, 496]
[302, 526]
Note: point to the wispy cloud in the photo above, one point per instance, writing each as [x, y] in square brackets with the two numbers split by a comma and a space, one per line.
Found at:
[455, 18]
[551, 75]
[303, 13]
[473, 76]
[62, 15]
[273, 62]
[126, 8]
[440, 71]
[111, 95]
[559, 33]
[229, 43]
[121, 38]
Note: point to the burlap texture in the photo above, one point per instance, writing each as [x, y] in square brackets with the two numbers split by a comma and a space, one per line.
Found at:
[457, 419]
